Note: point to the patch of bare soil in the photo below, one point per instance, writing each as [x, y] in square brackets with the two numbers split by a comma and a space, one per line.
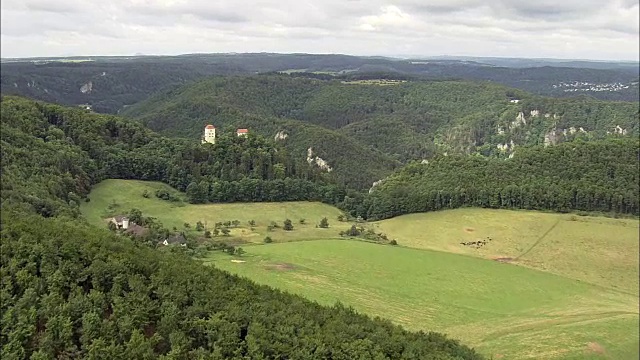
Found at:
[498, 356]
[280, 267]
[469, 230]
[504, 259]
[596, 348]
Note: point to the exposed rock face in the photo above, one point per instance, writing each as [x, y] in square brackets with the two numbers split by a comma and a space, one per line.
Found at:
[619, 130]
[520, 120]
[281, 135]
[535, 112]
[376, 184]
[86, 88]
[321, 163]
[551, 138]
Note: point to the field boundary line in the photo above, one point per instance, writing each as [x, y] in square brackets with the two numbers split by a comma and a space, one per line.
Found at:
[539, 240]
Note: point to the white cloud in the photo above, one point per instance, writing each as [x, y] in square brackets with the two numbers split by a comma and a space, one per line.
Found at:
[598, 29]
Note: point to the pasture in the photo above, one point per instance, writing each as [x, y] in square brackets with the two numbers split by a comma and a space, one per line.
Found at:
[504, 310]
[598, 250]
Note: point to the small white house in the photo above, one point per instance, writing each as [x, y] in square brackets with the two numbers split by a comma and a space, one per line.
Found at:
[176, 239]
[121, 221]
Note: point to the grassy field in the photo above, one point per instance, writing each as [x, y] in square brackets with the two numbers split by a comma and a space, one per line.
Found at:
[597, 250]
[566, 288]
[502, 309]
[113, 197]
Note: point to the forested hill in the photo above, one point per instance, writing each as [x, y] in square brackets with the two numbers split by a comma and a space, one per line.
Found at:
[74, 291]
[402, 120]
[599, 176]
[52, 155]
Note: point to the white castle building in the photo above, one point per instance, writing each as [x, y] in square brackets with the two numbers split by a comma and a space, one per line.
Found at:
[209, 134]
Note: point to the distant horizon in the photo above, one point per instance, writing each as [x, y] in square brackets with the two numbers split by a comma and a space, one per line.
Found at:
[396, 56]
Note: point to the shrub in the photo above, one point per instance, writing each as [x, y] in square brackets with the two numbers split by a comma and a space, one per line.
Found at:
[301, 221]
[288, 226]
[324, 223]
[207, 234]
[268, 240]
[393, 242]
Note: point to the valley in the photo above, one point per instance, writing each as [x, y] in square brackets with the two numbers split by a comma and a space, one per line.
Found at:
[391, 211]
[567, 283]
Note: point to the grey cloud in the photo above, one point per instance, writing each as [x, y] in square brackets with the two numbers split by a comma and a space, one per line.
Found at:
[217, 11]
[353, 26]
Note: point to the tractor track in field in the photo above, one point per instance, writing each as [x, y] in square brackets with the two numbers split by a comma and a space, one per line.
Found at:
[538, 241]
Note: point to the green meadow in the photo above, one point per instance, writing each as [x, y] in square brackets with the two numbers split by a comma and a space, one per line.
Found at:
[565, 286]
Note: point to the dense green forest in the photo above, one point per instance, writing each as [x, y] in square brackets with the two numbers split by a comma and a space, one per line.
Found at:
[360, 127]
[597, 176]
[70, 290]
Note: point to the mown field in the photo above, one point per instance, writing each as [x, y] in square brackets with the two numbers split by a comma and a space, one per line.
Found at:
[504, 310]
[566, 287]
[598, 250]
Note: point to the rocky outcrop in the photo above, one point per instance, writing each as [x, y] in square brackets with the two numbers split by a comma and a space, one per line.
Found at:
[321, 163]
[281, 135]
[86, 88]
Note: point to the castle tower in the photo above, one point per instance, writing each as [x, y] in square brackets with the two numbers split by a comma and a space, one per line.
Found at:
[209, 134]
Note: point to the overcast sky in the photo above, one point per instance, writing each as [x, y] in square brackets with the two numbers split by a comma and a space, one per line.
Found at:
[575, 29]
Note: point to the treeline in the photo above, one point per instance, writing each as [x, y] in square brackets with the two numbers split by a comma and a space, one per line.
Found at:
[72, 291]
[598, 176]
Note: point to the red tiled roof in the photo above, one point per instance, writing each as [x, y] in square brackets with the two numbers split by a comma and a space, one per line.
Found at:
[243, 131]
[210, 127]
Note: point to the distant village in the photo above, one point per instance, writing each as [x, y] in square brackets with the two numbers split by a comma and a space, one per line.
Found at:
[587, 86]
[209, 135]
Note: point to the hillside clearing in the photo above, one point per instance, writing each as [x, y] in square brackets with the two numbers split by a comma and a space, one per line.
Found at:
[583, 304]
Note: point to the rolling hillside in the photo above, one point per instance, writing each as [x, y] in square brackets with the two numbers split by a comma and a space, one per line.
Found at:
[361, 127]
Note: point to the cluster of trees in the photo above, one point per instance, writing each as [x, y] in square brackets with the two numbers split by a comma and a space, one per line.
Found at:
[598, 176]
[70, 290]
[368, 234]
